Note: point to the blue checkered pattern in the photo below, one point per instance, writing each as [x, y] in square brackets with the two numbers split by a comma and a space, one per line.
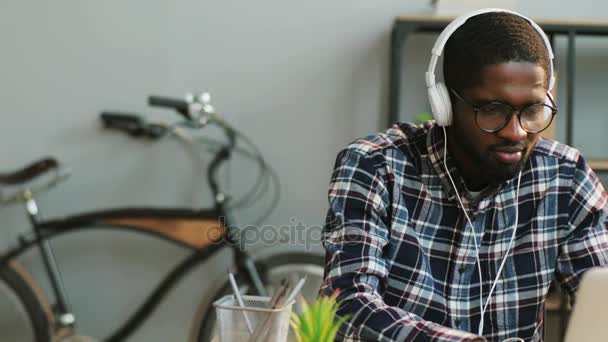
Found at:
[402, 255]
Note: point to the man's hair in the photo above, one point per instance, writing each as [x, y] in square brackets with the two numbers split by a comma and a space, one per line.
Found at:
[491, 38]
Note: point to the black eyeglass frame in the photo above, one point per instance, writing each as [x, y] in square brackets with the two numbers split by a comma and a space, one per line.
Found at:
[477, 109]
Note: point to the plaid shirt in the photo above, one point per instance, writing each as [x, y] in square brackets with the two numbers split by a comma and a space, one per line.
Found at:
[402, 254]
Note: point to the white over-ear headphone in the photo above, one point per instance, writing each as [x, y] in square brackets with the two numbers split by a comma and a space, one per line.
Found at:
[438, 92]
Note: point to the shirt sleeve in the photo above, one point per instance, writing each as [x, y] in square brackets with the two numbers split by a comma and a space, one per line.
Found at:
[586, 245]
[355, 234]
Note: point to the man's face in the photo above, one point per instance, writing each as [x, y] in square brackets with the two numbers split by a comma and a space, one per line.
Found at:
[497, 156]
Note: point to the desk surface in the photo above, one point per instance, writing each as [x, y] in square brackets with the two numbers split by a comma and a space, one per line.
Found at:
[598, 164]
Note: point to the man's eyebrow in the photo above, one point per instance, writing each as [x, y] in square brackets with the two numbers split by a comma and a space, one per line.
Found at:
[498, 100]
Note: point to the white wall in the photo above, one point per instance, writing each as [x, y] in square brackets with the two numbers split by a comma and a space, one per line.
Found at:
[301, 78]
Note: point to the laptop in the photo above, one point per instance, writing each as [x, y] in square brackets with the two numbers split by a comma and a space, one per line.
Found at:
[589, 319]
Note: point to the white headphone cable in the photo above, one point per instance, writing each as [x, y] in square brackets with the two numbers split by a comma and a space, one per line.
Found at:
[482, 306]
[502, 264]
[445, 149]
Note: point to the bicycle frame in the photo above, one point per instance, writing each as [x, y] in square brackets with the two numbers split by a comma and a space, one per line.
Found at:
[203, 231]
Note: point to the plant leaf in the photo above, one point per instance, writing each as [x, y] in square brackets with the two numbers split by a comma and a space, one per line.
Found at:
[318, 321]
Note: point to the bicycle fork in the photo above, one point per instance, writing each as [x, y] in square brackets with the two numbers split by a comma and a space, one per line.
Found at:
[62, 310]
[242, 259]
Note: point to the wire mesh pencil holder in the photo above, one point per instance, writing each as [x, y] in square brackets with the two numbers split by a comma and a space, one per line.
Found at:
[233, 321]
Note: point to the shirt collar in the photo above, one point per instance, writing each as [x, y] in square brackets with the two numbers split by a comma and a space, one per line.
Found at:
[434, 143]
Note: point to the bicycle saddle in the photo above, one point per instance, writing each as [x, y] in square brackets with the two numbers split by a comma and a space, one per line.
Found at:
[29, 171]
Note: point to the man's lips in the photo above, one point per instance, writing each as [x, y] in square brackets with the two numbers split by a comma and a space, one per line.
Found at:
[509, 155]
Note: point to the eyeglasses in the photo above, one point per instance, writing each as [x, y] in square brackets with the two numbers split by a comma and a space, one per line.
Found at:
[494, 116]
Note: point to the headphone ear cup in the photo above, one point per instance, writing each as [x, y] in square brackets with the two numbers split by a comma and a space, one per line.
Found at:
[436, 107]
[441, 106]
[444, 94]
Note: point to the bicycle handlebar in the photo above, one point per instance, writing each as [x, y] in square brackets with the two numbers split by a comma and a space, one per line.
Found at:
[198, 113]
[136, 126]
[179, 105]
[127, 122]
[132, 124]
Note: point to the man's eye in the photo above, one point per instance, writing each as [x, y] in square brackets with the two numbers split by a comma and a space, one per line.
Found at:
[494, 109]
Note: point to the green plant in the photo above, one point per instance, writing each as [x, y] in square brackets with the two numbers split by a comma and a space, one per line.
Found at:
[317, 322]
[422, 118]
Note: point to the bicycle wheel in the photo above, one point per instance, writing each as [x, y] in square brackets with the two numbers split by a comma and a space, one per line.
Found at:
[22, 316]
[292, 266]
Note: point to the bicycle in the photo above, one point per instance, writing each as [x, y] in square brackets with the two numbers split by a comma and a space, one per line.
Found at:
[205, 231]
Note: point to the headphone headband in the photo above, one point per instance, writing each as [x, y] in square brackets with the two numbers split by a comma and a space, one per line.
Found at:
[459, 21]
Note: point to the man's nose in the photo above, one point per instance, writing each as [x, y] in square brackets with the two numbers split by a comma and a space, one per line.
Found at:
[513, 130]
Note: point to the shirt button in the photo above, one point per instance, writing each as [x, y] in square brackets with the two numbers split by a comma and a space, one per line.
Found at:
[457, 322]
[461, 269]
